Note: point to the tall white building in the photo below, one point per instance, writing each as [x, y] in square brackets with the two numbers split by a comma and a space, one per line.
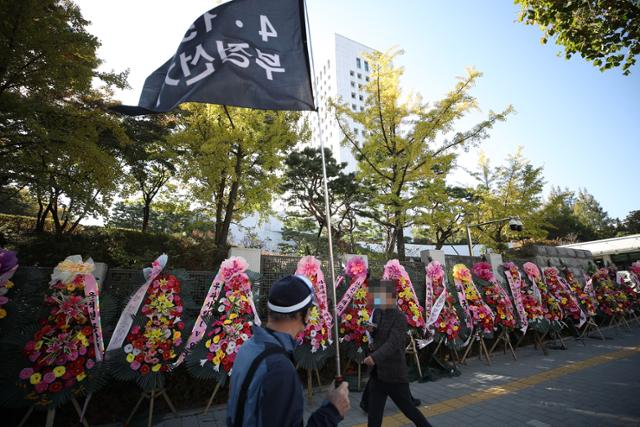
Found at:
[341, 77]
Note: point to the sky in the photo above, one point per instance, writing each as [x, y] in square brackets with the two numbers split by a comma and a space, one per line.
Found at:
[580, 124]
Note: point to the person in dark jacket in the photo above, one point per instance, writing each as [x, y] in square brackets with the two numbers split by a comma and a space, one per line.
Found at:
[387, 361]
[265, 388]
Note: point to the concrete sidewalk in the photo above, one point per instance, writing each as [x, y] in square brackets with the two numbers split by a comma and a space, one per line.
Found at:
[594, 384]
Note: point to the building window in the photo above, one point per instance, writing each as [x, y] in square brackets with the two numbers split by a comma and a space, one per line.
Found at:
[367, 78]
[362, 109]
[353, 95]
[361, 98]
[366, 66]
[359, 86]
[353, 84]
[359, 75]
[358, 64]
[351, 73]
[355, 131]
[353, 107]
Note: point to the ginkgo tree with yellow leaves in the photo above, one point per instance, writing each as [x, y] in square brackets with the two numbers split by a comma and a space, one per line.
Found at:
[407, 144]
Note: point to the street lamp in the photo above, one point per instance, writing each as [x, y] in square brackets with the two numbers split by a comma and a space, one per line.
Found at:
[514, 224]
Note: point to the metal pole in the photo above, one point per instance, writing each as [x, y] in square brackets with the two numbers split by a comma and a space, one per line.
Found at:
[469, 240]
[336, 337]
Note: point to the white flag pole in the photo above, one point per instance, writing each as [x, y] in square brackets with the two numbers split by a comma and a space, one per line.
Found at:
[336, 337]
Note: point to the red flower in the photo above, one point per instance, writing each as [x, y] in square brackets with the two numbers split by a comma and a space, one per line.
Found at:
[55, 387]
[144, 369]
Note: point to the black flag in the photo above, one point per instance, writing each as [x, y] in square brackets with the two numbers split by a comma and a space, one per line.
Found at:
[246, 53]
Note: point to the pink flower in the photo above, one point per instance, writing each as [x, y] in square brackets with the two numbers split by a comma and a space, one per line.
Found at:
[135, 365]
[135, 330]
[232, 266]
[49, 377]
[26, 373]
[635, 267]
[308, 266]
[3, 300]
[483, 270]
[90, 363]
[41, 387]
[356, 267]
[393, 270]
[531, 269]
[435, 271]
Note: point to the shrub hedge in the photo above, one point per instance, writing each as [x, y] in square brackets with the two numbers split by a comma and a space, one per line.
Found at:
[115, 246]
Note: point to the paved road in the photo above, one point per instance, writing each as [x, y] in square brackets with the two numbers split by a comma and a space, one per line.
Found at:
[593, 385]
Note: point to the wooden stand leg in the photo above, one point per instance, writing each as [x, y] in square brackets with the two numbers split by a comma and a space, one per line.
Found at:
[466, 352]
[483, 346]
[51, 416]
[150, 419]
[495, 344]
[164, 394]
[215, 390]
[309, 386]
[359, 375]
[318, 378]
[26, 416]
[135, 408]
[78, 409]
[415, 353]
[84, 407]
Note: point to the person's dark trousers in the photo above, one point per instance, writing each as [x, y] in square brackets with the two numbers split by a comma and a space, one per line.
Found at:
[399, 394]
[364, 401]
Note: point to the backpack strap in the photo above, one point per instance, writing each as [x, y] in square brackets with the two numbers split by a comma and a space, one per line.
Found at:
[244, 389]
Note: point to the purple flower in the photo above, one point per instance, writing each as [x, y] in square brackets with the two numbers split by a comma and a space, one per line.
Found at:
[8, 260]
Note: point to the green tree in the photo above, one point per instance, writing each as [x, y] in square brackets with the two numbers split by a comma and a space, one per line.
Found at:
[303, 190]
[631, 224]
[149, 158]
[230, 158]
[441, 220]
[604, 32]
[512, 189]
[405, 142]
[591, 214]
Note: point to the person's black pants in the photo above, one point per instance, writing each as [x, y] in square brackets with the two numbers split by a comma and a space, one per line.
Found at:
[399, 394]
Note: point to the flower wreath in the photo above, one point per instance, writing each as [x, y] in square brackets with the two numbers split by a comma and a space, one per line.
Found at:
[550, 305]
[586, 301]
[148, 337]
[481, 315]
[353, 309]
[532, 305]
[495, 296]
[65, 353]
[315, 340]
[8, 266]
[407, 300]
[560, 289]
[606, 294]
[443, 321]
[220, 332]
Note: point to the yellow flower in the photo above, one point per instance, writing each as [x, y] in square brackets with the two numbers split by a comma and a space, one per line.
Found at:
[130, 357]
[216, 339]
[455, 327]
[442, 324]
[3, 313]
[365, 339]
[233, 316]
[227, 322]
[8, 284]
[71, 287]
[38, 345]
[207, 343]
[156, 367]
[348, 317]
[35, 378]
[81, 376]
[59, 371]
[176, 335]
[216, 360]
[219, 354]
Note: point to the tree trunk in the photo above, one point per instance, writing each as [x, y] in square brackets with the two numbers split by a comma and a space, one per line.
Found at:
[145, 214]
[400, 242]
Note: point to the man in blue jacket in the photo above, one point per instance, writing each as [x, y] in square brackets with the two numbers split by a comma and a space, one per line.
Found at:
[265, 388]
